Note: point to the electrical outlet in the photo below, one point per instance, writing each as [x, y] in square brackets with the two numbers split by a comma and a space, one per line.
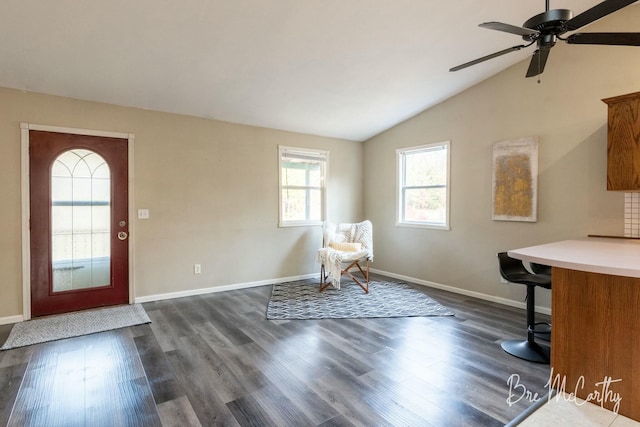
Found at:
[197, 268]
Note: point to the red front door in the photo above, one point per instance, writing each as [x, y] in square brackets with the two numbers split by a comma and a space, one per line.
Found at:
[79, 222]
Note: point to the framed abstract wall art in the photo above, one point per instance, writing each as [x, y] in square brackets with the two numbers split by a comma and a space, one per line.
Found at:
[515, 180]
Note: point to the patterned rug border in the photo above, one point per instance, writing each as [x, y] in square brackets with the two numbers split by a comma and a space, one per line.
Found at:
[301, 300]
[75, 324]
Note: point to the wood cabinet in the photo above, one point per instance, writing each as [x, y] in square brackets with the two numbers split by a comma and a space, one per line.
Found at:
[623, 142]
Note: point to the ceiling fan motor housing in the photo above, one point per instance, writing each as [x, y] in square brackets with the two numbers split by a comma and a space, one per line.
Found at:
[548, 23]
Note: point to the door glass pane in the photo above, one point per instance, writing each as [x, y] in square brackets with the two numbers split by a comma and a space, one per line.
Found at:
[80, 221]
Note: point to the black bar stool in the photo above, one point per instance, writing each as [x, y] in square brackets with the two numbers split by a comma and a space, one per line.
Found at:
[514, 271]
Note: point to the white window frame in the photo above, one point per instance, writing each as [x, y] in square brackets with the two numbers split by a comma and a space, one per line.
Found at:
[400, 185]
[323, 157]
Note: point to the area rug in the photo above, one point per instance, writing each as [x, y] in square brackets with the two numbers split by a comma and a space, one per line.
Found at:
[302, 300]
[74, 324]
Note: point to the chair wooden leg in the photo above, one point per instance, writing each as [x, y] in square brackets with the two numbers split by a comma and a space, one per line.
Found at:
[355, 279]
[366, 276]
[324, 286]
[323, 278]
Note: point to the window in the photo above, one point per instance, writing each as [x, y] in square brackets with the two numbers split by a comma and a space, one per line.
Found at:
[302, 186]
[80, 220]
[423, 186]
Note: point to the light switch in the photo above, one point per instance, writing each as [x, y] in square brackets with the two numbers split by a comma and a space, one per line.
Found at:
[143, 213]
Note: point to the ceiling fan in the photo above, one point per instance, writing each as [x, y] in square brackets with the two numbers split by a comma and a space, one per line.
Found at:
[547, 27]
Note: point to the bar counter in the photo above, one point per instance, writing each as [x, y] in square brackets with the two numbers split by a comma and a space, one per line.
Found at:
[595, 313]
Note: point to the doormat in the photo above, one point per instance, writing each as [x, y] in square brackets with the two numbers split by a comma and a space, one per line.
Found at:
[302, 300]
[74, 325]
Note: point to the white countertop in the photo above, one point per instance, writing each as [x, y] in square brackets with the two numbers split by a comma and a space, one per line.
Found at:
[618, 257]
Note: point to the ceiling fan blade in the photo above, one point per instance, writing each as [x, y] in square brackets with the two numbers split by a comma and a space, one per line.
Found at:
[486, 58]
[620, 39]
[508, 28]
[596, 12]
[538, 61]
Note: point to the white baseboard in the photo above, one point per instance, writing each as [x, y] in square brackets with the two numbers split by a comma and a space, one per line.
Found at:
[202, 291]
[11, 319]
[486, 297]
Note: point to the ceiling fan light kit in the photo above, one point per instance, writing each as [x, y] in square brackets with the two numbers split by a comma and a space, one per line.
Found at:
[549, 26]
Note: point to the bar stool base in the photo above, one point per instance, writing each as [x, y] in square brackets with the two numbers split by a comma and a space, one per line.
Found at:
[527, 350]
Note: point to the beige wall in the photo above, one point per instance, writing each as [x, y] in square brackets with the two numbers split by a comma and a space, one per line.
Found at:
[211, 188]
[566, 113]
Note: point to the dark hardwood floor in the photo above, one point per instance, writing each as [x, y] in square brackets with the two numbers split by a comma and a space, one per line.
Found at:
[215, 360]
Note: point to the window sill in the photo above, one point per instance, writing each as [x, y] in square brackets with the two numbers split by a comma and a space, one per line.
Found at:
[424, 225]
[299, 224]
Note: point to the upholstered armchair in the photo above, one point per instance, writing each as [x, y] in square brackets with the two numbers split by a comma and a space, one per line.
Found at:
[345, 244]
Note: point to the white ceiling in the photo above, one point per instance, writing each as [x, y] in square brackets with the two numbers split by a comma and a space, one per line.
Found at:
[340, 68]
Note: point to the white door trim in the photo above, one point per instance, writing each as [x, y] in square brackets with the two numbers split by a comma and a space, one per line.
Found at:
[26, 208]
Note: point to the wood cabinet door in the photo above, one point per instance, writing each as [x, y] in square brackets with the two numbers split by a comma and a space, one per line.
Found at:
[623, 143]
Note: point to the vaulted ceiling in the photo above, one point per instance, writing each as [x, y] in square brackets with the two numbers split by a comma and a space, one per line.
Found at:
[340, 68]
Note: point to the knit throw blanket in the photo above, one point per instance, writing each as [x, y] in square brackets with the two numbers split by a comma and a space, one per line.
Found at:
[333, 259]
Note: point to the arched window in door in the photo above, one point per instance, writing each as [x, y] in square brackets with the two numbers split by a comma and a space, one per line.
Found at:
[80, 221]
